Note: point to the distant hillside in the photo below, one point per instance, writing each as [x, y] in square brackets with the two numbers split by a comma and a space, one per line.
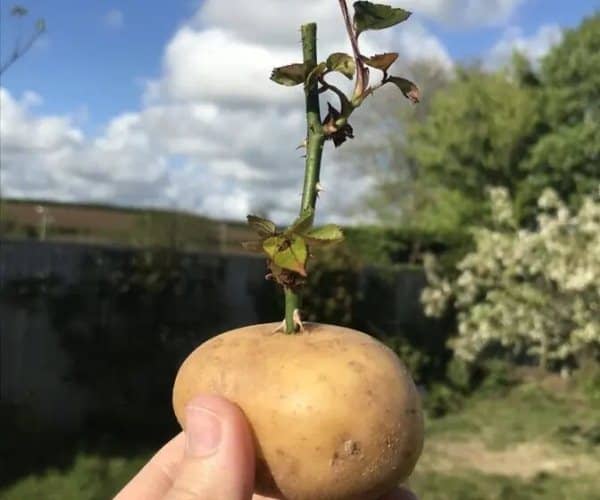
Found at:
[49, 220]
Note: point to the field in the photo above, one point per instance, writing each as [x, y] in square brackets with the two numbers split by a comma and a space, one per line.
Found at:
[533, 440]
[122, 226]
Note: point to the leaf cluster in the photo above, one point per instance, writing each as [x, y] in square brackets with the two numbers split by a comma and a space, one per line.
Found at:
[288, 250]
[367, 16]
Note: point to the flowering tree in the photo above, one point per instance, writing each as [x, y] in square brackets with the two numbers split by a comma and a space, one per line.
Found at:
[531, 291]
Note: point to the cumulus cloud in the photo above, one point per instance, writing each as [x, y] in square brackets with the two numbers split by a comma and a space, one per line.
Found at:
[277, 21]
[470, 13]
[214, 135]
[533, 47]
[114, 19]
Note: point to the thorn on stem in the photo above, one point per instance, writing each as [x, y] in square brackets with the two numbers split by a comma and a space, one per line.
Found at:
[303, 144]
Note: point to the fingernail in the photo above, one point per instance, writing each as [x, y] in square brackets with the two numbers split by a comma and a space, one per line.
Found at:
[202, 431]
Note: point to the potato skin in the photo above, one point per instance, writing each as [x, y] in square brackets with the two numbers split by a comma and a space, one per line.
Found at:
[335, 414]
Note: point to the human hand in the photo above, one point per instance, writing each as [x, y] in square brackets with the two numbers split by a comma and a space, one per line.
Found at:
[212, 460]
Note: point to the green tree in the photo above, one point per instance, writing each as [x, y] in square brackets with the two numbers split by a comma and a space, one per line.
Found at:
[567, 156]
[477, 133]
[522, 128]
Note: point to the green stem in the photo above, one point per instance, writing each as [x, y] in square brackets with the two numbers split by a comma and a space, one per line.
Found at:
[292, 302]
[314, 150]
[314, 133]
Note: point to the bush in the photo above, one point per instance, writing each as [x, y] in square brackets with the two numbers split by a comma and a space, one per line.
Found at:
[529, 292]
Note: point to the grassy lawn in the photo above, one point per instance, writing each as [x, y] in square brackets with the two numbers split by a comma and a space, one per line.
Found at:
[531, 441]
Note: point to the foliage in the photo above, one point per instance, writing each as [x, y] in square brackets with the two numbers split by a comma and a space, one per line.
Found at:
[524, 128]
[534, 292]
[478, 130]
[333, 292]
[380, 246]
[566, 156]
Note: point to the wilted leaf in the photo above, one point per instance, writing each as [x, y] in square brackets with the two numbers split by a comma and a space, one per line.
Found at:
[324, 235]
[335, 131]
[291, 254]
[371, 16]
[344, 63]
[290, 75]
[315, 73]
[408, 88]
[253, 246]
[381, 61]
[263, 227]
[302, 223]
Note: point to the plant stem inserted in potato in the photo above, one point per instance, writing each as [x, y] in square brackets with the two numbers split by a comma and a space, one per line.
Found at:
[288, 251]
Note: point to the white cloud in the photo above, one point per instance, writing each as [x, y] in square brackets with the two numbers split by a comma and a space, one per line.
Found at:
[216, 65]
[469, 13]
[214, 135]
[533, 47]
[277, 21]
[114, 19]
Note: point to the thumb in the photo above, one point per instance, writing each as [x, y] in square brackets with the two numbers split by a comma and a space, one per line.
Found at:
[219, 454]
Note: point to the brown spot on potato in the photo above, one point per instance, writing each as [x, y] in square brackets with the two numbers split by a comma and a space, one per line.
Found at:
[351, 447]
[356, 366]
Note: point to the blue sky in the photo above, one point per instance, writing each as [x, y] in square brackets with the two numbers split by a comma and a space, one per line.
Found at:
[101, 62]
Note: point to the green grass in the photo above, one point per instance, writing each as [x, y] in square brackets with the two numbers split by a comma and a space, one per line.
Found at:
[526, 412]
[477, 486]
[90, 477]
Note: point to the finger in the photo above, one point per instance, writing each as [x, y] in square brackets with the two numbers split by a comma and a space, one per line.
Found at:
[218, 462]
[156, 477]
[400, 494]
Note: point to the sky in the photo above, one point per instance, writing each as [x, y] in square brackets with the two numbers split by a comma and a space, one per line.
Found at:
[169, 104]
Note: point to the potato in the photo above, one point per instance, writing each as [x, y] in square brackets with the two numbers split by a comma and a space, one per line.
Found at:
[335, 414]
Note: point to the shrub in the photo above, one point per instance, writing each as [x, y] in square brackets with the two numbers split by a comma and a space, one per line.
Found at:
[533, 292]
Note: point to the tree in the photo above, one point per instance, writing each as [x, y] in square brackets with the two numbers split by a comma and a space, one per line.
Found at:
[534, 292]
[567, 156]
[477, 132]
[519, 128]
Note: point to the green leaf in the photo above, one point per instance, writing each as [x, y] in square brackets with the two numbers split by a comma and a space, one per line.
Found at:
[408, 88]
[253, 246]
[324, 235]
[344, 63]
[290, 75]
[381, 61]
[371, 16]
[263, 227]
[272, 245]
[287, 252]
[293, 255]
[302, 223]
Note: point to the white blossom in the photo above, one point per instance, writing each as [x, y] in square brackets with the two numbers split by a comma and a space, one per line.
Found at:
[536, 291]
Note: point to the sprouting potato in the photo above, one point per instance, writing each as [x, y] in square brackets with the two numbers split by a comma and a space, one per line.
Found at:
[335, 414]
